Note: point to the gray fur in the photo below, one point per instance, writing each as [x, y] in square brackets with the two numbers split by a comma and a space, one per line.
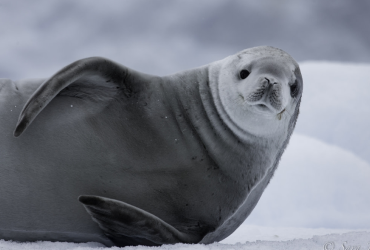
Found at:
[154, 160]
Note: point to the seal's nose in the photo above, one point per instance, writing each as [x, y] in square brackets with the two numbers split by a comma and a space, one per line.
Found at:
[271, 81]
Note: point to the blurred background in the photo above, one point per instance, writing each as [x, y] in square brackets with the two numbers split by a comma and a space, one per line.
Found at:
[165, 36]
[324, 176]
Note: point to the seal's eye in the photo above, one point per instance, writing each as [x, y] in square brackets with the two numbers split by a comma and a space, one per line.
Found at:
[294, 89]
[244, 74]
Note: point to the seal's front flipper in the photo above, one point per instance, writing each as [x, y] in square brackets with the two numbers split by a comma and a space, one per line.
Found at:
[93, 78]
[121, 220]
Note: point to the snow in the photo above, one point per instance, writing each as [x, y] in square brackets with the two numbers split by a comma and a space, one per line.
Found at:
[316, 185]
[253, 233]
[248, 237]
[334, 105]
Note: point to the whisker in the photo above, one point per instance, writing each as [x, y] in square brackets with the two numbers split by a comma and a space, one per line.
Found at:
[280, 114]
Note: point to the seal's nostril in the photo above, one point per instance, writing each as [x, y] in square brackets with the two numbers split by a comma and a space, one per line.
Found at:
[272, 81]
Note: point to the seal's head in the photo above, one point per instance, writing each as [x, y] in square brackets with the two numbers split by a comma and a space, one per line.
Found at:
[258, 90]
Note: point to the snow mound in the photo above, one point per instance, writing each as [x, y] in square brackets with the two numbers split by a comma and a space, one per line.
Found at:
[316, 185]
[334, 105]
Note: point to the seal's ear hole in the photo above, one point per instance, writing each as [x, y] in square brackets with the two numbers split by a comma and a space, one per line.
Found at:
[244, 74]
[294, 89]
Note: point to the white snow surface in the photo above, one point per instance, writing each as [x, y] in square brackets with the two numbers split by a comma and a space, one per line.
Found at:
[246, 237]
[319, 197]
[334, 105]
[316, 185]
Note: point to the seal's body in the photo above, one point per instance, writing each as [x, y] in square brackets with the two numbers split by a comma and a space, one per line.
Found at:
[154, 160]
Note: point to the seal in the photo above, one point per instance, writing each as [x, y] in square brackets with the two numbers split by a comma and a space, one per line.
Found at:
[153, 160]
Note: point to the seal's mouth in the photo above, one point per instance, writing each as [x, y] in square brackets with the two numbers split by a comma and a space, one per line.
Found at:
[266, 110]
[262, 108]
